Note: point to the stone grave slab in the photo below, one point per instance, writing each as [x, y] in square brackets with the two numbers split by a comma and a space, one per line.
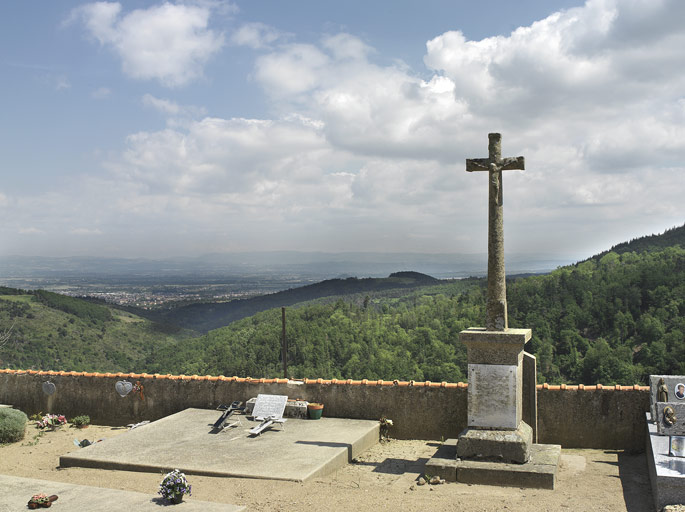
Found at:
[666, 473]
[539, 472]
[269, 406]
[16, 492]
[306, 449]
[672, 383]
[293, 408]
[670, 418]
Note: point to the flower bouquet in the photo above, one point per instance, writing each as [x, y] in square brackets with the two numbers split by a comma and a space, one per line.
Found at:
[51, 421]
[41, 501]
[174, 486]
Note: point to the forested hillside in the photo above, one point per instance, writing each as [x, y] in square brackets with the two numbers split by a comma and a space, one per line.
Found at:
[45, 330]
[205, 316]
[613, 319]
[669, 238]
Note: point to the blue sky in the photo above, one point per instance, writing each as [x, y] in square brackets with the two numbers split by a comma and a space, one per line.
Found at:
[181, 128]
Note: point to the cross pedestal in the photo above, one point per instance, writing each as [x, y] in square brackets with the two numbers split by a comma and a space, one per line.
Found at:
[495, 430]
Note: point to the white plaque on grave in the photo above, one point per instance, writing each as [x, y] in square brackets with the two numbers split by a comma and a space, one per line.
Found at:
[492, 396]
[269, 406]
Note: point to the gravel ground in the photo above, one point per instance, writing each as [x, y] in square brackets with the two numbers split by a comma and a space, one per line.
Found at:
[383, 478]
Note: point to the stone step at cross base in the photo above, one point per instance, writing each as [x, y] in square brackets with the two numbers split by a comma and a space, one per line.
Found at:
[540, 472]
[509, 446]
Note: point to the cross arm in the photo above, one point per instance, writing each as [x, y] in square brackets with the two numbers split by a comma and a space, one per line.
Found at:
[477, 164]
[505, 164]
[512, 163]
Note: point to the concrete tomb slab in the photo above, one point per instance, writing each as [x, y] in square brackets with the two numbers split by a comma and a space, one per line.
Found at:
[666, 473]
[305, 450]
[17, 491]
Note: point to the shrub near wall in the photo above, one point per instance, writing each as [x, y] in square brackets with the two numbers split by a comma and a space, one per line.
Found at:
[12, 425]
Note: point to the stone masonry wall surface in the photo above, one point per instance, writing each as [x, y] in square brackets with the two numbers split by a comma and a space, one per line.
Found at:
[609, 417]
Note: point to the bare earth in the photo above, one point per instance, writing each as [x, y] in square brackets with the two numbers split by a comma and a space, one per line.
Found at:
[383, 478]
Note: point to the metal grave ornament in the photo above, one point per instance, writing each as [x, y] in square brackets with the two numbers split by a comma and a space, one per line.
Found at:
[269, 410]
[49, 388]
[123, 387]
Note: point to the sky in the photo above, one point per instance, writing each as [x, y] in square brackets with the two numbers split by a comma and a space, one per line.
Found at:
[157, 129]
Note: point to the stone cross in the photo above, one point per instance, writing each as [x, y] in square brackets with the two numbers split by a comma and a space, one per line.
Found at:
[497, 292]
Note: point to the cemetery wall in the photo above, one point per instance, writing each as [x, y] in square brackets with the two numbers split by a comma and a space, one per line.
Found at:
[609, 417]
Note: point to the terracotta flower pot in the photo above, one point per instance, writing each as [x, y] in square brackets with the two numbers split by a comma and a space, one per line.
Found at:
[315, 410]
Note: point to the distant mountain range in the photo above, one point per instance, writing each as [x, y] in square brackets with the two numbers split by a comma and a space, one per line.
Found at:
[309, 265]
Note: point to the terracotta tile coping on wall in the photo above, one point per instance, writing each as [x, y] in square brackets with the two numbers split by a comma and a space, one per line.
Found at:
[339, 382]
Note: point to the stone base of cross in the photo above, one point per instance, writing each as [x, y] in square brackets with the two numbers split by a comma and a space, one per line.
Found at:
[495, 429]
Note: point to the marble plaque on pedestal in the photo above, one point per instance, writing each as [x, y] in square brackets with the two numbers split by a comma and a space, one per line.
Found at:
[492, 396]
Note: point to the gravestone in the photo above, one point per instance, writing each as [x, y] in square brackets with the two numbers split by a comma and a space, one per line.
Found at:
[497, 445]
[269, 406]
[666, 439]
[672, 384]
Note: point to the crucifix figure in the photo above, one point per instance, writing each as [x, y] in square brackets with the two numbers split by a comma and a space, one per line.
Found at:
[497, 292]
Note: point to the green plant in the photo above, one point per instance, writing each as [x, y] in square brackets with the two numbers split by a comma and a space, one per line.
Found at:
[35, 439]
[12, 425]
[80, 421]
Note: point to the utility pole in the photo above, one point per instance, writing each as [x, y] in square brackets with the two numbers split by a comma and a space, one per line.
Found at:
[284, 348]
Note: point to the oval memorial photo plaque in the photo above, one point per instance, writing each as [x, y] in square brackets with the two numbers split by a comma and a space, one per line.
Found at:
[123, 387]
[49, 388]
[679, 391]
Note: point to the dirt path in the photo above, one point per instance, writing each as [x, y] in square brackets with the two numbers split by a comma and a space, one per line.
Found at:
[383, 478]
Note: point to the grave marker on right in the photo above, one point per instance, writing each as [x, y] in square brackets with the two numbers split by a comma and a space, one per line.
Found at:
[666, 439]
[673, 387]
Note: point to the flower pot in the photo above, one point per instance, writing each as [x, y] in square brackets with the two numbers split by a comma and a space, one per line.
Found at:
[176, 498]
[315, 411]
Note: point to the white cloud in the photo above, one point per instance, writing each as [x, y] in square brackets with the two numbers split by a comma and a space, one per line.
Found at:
[586, 95]
[179, 114]
[362, 155]
[85, 232]
[256, 35]
[30, 231]
[164, 106]
[101, 93]
[62, 82]
[170, 43]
